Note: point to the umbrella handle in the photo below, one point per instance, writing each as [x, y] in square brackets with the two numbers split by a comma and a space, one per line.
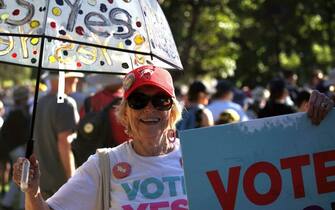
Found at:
[25, 175]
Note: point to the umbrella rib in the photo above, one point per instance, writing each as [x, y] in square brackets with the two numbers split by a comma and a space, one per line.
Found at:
[165, 61]
[75, 42]
[67, 70]
[146, 29]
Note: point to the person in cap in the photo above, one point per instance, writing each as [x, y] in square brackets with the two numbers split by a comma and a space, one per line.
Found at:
[195, 114]
[111, 90]
[146, 171]
[222, 100]
[98, 126]
[55, 125]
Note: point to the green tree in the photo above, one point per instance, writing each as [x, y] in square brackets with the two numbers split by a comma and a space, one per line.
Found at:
[13, 74]
[203, 32]
[252, 40]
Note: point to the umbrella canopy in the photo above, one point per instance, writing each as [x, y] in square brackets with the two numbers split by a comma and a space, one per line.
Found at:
[86, 35]
[99, 36]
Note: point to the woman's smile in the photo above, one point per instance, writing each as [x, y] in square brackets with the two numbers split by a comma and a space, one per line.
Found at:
[150, 120]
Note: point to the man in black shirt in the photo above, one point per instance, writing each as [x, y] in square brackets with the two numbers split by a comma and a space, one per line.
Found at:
[277, 103]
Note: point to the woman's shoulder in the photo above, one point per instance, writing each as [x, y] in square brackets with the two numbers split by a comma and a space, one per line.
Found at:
[119, 152]
[119, 148]
[113, 153]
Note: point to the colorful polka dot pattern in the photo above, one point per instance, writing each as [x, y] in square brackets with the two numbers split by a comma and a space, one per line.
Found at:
[104, 7]
[30, 26]
[59, 9]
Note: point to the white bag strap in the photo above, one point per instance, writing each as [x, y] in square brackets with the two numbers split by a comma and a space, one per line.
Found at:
[104, 182]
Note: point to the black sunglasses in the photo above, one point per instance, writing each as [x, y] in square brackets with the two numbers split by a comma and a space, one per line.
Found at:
[160, 101]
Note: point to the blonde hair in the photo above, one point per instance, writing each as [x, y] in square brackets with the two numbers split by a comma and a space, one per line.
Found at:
[121, 116]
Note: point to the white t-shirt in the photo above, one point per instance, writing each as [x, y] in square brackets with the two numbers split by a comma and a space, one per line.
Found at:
[154, 183]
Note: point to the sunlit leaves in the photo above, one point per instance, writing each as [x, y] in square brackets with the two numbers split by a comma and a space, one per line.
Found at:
[322, 53]
[254, 39]
[289, 61]
[315, 22]
[13, 74]
[249, 5]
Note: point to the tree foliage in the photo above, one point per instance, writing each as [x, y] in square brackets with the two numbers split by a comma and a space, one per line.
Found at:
[247, 40]
[252, 40]
[14, 75]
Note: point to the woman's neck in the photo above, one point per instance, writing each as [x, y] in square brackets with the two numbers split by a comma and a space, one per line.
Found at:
[145, 148]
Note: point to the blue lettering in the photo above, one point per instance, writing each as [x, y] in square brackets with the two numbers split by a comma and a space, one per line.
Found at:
[145, 188]
[172, 184]
[153, 188]
[131, 192]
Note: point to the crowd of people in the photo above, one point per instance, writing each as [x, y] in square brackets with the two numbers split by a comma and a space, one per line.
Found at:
[229, 104]
[145, 126]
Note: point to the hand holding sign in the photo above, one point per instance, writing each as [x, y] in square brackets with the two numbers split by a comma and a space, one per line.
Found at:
[318, 107]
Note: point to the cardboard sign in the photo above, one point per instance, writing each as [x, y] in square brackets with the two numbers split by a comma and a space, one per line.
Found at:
[276, 163]
[111, 36]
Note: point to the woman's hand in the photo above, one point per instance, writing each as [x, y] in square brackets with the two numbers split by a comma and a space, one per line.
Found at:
[318, 107]
[34, 174]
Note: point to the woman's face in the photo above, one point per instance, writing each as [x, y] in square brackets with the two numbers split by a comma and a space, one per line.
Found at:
[148, 124]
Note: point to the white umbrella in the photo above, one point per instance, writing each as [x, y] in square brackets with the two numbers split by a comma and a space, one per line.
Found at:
[86, 35]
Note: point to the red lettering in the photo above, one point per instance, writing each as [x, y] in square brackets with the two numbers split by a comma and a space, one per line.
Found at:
[226, 198]
[295, 164]
[249, 188]
[158, 205]
[180, 204]
[322, 172]
[127, 207]
[142, 206]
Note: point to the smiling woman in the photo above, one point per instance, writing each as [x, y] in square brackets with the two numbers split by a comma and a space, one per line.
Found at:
[149, 111]
[146, 170]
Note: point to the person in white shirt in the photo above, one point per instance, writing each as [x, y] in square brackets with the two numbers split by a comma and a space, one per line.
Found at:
[223, 100]
[146, 170]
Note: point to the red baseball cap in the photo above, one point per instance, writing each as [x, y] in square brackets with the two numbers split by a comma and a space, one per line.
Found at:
[148, 75]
